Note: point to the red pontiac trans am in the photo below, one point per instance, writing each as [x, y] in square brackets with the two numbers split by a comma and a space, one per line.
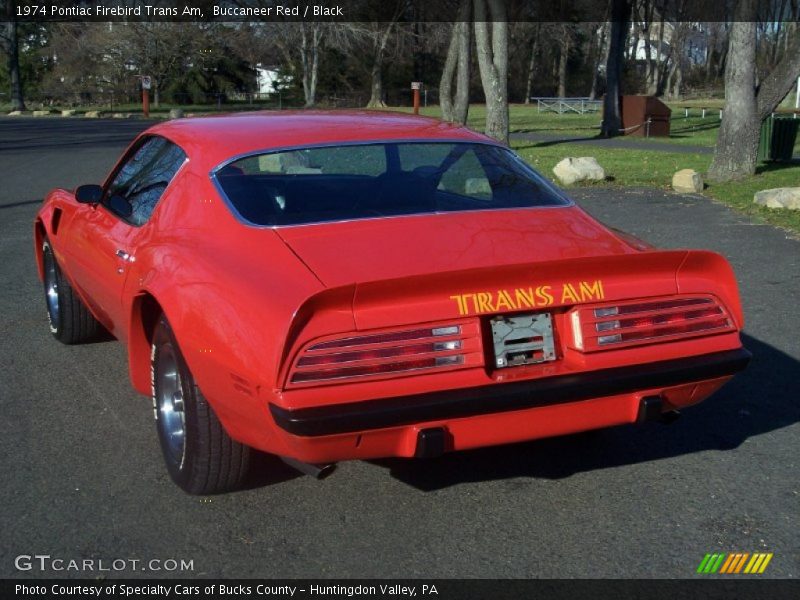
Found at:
[352, 285]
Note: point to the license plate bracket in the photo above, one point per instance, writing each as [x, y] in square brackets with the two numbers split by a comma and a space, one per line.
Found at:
[522, 339]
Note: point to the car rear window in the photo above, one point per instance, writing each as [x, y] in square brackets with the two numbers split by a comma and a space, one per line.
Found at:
[360, 181]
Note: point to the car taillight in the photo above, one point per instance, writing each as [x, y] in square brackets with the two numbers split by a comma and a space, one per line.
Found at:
[386, 353]
[641, 322]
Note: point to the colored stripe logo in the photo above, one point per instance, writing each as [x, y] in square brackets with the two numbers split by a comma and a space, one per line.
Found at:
[735, 563]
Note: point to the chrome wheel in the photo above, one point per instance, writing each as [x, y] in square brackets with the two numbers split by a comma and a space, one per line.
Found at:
[199, 454]
[51, 289]
[169, 404]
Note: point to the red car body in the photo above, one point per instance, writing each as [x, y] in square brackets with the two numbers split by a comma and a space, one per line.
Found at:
[252, 306]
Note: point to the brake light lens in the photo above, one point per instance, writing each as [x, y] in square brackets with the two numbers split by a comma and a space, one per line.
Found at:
[642, 322]
[386, 353]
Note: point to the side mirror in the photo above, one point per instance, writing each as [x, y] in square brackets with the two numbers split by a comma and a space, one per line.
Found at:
[89, 194]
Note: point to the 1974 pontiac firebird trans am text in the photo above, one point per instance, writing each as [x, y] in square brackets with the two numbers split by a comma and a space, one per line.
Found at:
[352, 285]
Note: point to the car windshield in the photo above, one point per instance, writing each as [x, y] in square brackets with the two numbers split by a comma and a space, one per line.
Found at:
[360, 181]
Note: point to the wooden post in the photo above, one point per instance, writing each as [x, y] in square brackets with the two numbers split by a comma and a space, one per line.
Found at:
[146, 83]
[415, 87]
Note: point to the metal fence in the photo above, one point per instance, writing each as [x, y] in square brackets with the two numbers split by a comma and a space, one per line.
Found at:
[579, 106]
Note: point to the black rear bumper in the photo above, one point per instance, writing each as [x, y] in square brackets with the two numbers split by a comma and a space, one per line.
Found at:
[449, 404]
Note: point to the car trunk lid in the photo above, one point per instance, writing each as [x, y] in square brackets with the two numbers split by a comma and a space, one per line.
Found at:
[379, 249]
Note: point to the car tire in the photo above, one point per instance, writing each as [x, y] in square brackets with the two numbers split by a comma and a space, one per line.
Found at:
[199, 454]
[69, 318]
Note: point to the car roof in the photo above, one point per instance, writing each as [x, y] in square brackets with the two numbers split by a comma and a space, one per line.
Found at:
[216, 139]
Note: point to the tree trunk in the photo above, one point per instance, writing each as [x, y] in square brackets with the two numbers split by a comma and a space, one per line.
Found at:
[376, 96]
[455, 107]
[304, 61]
[311, 100]
[630, 52]
[670, 76]
[781, 79]
[493, 63]
[17, 96]
[723, 59]
[648, 57]
[446, 82]
[461, 105]
[657, 72]
[737, 142]
[597, 52]
[532, 65]
[676, 90]
[712, 43]
[644, 32]
[376, 88]
[662, 61]
[562, 66]
[309, 55]
[612, 119]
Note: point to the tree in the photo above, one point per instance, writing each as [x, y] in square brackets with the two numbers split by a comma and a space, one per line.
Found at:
[735, 154]
[597, 35]
[455, 106]
[612, 117]
[737, 141]
[87, 60]
[534, 45]
[492, 48]
[311, 35]
[781, 79]
[301, 45]
[566, 33]
[10, 39]
[379, 36]
[158, 49]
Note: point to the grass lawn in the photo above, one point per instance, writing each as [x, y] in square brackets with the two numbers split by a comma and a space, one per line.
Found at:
[625, 167]
[523, 118]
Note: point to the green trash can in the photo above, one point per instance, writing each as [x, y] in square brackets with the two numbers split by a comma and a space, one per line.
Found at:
[778, 134]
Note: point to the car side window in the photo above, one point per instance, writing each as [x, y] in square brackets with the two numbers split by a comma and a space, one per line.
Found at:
[141, 180]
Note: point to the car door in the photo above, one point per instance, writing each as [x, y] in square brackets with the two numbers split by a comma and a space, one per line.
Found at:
[107, 240]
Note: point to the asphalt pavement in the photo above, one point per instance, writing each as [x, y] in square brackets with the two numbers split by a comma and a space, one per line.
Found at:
[82, 476]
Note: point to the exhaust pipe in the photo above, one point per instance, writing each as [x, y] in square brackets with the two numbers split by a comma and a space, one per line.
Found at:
[651, 408]
[316, 471]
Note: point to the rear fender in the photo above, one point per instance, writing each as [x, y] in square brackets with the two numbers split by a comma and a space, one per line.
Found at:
[710, 273]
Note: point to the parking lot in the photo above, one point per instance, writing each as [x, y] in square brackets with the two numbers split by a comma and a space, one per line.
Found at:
[83, 476]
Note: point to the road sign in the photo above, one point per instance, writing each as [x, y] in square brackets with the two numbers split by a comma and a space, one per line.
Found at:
[416, 85]
[146, 82]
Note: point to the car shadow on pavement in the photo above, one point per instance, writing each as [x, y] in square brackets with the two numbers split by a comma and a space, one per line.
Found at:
[762, 399]
[266, 470]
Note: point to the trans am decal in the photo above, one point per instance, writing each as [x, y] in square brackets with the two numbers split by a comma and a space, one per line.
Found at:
[528, 297]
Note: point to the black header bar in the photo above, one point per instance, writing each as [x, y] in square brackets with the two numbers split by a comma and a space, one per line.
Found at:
[332, 11]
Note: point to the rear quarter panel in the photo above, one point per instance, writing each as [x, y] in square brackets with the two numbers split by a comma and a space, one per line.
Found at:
[230, 293]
